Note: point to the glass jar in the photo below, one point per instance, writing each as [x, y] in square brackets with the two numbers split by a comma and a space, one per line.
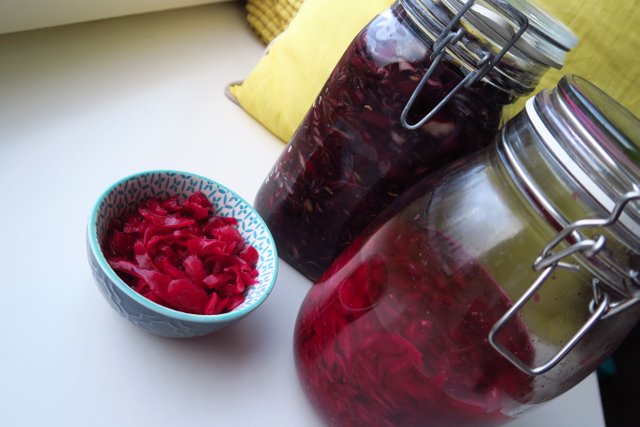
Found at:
[424, 83]
[490, 286]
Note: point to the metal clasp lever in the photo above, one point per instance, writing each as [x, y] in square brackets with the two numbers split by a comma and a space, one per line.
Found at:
[484, 64]
[548, 262]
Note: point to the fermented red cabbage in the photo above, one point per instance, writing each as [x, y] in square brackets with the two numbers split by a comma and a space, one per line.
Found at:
[395, 334]
[351, 156]
[178, 253]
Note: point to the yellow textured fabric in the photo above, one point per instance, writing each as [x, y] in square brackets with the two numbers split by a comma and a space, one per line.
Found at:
[281, 88]
[269, 18]
[608, 52]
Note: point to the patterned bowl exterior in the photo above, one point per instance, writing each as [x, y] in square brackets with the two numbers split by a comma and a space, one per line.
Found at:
[122, 197]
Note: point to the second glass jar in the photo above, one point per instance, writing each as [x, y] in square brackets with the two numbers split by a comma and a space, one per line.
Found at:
[491, 286]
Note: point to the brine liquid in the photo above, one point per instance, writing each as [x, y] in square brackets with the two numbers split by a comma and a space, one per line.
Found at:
[395, 334]
[351, 156]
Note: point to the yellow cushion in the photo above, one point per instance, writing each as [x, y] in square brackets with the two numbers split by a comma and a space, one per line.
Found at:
[281, 88]
[607, 54]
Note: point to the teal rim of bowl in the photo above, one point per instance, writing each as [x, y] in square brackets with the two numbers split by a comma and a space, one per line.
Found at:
[153, 306]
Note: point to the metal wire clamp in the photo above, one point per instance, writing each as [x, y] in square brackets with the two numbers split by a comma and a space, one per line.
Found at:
[449, 38]
[600, 306]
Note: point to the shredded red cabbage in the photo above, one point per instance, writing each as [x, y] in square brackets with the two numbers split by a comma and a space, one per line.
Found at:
[177, 253]
[395, 334]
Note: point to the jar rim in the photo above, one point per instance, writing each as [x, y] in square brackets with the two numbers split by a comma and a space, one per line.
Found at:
[546, 39]
[615, 125]
[493, 40]
[604, 138]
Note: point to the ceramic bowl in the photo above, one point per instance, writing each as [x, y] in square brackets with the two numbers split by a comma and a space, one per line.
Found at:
[123, 197]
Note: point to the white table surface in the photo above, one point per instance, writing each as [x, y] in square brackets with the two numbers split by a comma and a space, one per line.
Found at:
[80, 107]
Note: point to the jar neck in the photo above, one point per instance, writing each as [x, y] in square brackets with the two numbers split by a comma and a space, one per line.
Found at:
[594, 147]
[549, 158]
[517, 73]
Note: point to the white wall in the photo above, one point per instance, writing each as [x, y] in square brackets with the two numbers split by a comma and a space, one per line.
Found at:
[20, 15]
